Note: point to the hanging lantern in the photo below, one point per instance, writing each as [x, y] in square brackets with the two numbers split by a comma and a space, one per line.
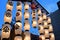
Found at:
[9, 6]
[6, 31]
[19, 6]
[18, 28]
[41, 29]
[27, 26]
[33, 14]
[40, 20]
[44, 16]
[50, 28]
[52, 37]
[26, 15]
[46, 31]
[26, 6]
[18, 25]
[39, 12]
[34, 23]
[27, 36]
[8, 17]
[49, 20]
[18, 16]
[45, 24]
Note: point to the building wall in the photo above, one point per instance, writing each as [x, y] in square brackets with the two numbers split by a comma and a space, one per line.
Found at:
[55, 17]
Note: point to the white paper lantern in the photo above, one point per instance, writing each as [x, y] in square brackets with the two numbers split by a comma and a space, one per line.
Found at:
[18, 16]
[18, 31]
[41, 29]
[26, 26]
[49, 20]
[8, 17]
[19, 6]
[34, 23]
[50, 28]
[45, 24]
[52, 37]
[26, 15]
[40, 19]
[9, 6]
[26, 6]
[46, 31]
[44, 16]
[39, 12]
[6, 31]
[33, 14]
[18, 25]
[27, 36]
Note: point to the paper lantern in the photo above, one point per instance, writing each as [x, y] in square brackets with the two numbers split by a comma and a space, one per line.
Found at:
[6, 31]
[26, 15]
[18, 16]
[9, 6]
[19, 6]
[34, 23]
[8, 17]
[52, 37]
[27, 26]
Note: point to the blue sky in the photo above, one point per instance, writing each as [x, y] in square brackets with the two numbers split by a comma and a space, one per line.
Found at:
[49, 5]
